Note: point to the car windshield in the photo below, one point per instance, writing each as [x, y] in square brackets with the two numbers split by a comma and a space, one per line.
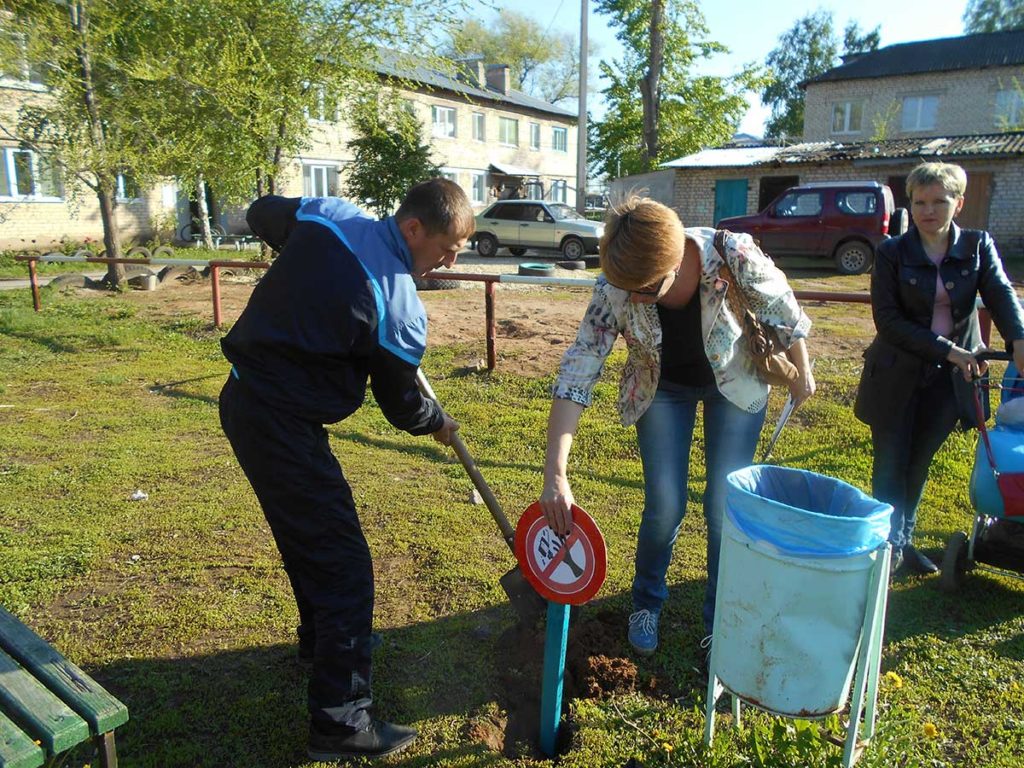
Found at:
[562, 212]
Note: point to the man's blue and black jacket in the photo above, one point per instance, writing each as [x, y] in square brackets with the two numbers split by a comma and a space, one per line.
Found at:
[337, 306]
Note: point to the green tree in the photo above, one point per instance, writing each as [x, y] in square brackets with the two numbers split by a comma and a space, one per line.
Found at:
[542, 63]
[993, 15]
[679, 112]
[809, 48]
[389, 155]
[84, 126]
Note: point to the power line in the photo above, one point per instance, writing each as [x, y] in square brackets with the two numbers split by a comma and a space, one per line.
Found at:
[557, 10]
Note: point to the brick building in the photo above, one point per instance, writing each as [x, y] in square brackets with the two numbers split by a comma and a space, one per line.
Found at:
[488, 137]
[874, 118]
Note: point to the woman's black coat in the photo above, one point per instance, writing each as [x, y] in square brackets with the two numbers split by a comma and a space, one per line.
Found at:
[902, 300]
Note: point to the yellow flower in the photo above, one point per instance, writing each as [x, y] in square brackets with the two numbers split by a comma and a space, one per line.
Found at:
[929, 730]
[667, 747]
[894, 680]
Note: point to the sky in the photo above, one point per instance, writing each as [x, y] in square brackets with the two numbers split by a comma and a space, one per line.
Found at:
[751, 28]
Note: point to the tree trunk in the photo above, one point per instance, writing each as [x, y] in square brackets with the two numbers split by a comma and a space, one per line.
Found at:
[105, 186]
[650, 86]
[105, 191]
[204, 212]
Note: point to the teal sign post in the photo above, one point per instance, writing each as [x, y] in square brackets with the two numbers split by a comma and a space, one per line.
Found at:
[566, 570]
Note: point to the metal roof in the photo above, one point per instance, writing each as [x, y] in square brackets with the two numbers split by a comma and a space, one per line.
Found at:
[991, 49]
[391, 63]
[952, 147]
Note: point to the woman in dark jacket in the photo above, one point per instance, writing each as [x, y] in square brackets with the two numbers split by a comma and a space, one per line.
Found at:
[923, 294]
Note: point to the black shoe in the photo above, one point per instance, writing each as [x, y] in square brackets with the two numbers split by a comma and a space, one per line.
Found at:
[376, 740]
[916, 562]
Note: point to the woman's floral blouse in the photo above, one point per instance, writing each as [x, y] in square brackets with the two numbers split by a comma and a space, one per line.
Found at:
[612, 313]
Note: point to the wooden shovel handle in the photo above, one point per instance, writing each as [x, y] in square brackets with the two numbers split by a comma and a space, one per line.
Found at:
[507, 531]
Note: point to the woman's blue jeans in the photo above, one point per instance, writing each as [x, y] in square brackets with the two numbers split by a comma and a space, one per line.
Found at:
[664, 434]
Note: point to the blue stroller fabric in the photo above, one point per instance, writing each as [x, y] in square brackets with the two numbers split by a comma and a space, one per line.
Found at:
[1008, 450]
[805, 514]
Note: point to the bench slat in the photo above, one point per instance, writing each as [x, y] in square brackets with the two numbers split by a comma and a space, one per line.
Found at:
[16, 749]
[37, 711]
[74, 687]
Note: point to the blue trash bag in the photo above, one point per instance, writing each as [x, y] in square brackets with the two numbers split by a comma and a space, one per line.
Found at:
[805, 514]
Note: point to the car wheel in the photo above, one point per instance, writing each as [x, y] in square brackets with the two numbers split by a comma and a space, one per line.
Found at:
[517, 250]
[572, 249]
[854, 257]
[486, 245]
[954, 563]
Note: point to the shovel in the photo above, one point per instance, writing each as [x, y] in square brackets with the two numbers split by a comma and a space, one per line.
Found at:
[528, 605]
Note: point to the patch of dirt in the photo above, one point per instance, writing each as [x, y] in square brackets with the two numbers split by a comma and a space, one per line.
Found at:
[596, 666]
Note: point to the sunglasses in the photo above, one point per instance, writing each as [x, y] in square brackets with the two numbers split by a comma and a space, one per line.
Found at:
[658, 289]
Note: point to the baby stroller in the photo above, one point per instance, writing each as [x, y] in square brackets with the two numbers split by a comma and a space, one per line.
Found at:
[996, 541]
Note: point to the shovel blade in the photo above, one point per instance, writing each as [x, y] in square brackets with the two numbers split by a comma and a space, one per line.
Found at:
[527, 604]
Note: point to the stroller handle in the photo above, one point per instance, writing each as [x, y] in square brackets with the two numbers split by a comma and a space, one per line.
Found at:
[992, 354]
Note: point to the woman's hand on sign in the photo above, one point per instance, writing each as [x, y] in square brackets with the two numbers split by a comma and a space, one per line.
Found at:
[556, 502]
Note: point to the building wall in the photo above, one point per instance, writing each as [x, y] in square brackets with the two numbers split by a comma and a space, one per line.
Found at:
[966, 103]
[28, 223]
[694, 198]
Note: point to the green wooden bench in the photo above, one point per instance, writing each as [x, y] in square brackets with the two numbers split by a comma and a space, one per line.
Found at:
[47, 704]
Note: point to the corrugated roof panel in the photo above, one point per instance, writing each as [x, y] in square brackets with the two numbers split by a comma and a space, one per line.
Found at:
[827, 151]
[992, 49]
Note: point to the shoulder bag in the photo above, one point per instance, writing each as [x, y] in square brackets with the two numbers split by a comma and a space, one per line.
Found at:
[768, 353]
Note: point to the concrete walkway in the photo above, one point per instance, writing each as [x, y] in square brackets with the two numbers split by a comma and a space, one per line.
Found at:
[16, 283]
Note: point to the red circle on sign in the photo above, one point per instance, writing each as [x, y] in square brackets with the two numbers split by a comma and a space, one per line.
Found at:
[569, 570]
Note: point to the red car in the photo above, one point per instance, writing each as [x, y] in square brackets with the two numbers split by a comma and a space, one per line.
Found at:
[841, 220]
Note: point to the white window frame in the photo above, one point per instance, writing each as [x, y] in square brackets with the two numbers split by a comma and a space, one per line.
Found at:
[443, 121]
[534, 135]
[847, 108]
[478, 187]
[504, 123]
[563, 145]
[319, 176]
[121, 193]
[913, 106]
[1009, 108]
[451, 174]
[560, 191]
[7, 157]
[32, 78]
[479, 126]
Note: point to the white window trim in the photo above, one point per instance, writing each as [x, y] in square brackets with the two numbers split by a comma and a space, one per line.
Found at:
[435, 111]
[7, 157]
[1016, 115]
[506, 121]
[847, 105]
[917, 127]
[559, 131]
[481, 177]
[483, 127]
[535, 132]
[324, 166]
[23, 83]
[120, 195]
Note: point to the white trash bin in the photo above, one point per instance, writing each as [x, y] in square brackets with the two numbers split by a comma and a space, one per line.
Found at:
[802, 583]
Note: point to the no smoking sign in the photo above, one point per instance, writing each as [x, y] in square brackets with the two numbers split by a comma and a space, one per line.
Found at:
[568, 569]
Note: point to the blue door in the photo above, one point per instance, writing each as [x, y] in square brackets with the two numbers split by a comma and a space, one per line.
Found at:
[730, 198]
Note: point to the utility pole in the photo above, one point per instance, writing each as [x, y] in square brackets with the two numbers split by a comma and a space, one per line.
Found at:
[581, 122]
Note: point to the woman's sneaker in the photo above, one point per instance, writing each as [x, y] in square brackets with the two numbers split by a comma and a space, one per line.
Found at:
[643, 631]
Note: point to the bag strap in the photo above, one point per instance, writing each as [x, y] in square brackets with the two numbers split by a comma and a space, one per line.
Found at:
[737, 294]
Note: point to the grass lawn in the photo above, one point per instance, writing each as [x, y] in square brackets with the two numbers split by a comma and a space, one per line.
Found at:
[178, 603]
